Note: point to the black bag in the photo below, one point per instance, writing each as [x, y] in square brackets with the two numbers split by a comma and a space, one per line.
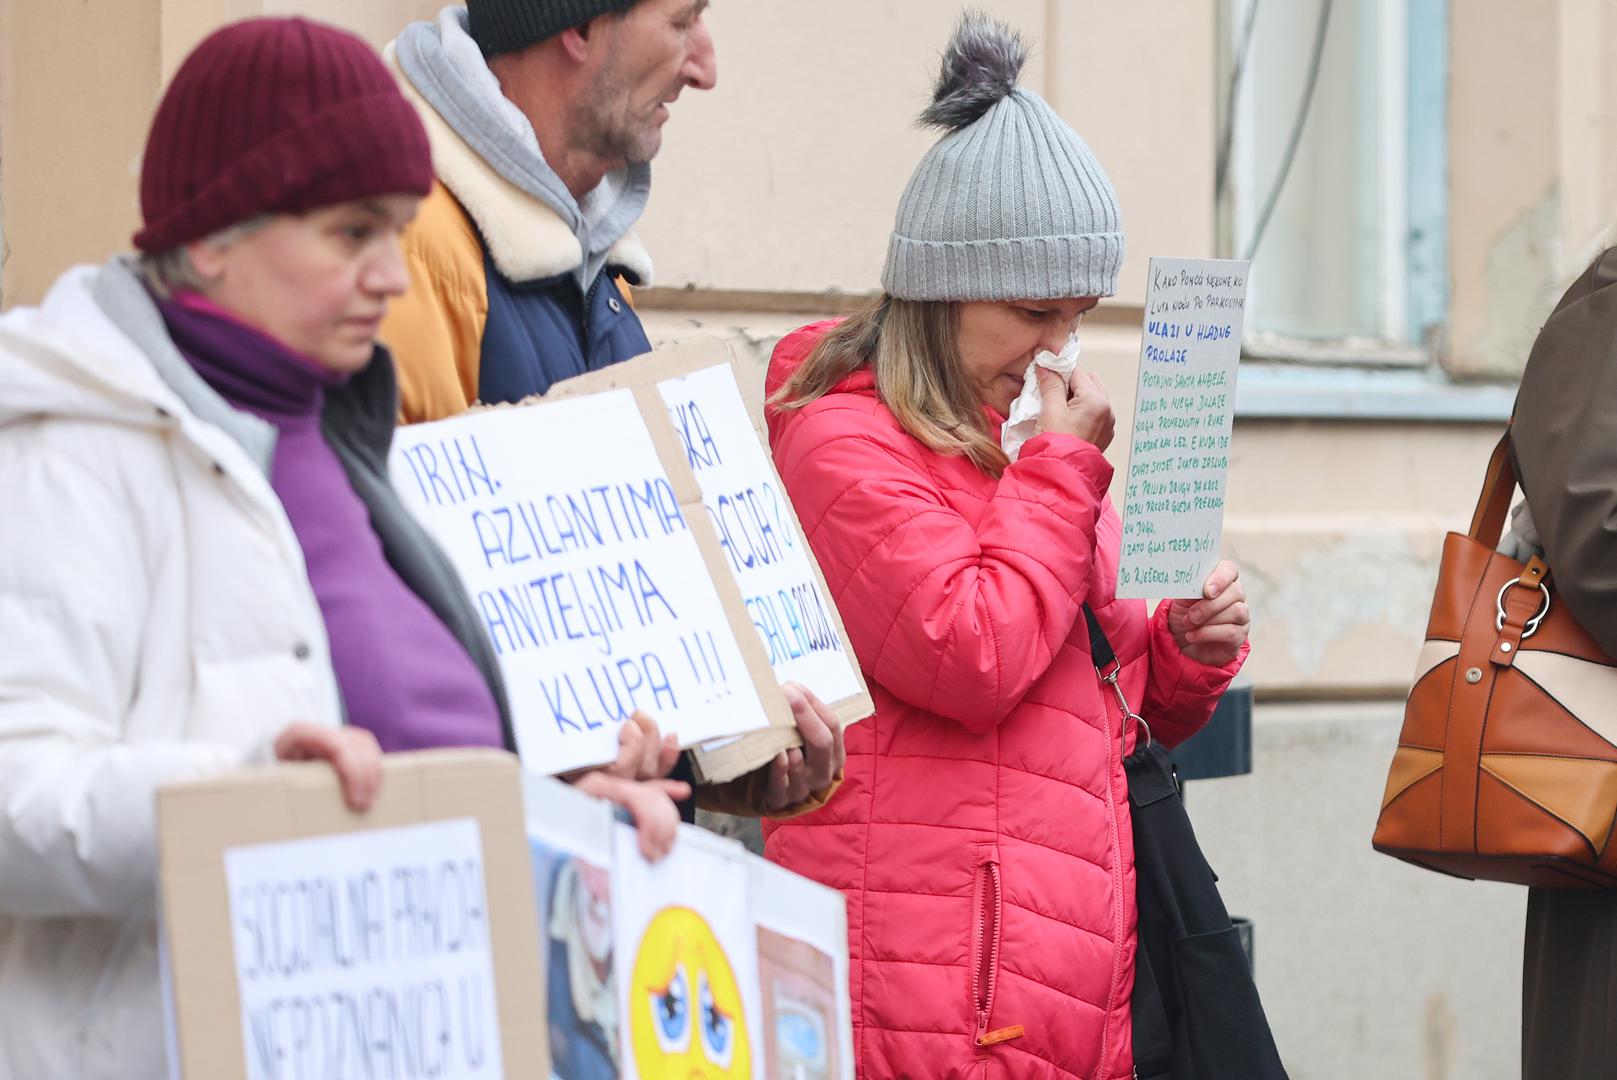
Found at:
[1196, 1012]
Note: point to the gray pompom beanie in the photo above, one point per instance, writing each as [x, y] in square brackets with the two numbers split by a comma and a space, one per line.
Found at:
[1010, 204]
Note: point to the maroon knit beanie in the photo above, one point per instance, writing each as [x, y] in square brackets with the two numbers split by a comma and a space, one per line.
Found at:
[275, 116]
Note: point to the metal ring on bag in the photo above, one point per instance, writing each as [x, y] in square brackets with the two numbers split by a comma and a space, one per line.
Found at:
[1532, 624]
[1138, 719]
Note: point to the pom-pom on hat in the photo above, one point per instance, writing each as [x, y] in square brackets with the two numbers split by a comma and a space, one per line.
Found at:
[275, 116]
[1010, 204]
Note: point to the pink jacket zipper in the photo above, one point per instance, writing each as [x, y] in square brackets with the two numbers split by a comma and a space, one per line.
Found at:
[986, 971]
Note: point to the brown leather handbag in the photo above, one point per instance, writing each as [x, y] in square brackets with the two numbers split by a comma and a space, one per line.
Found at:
[1506, 769]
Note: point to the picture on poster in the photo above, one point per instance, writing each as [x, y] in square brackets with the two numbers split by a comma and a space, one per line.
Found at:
[803, 976]
[577, 934]
[588, 579]
[1184, 412]
[799, 991]
[570, 838]
[366, 954]
[758, 532]
[688, 968]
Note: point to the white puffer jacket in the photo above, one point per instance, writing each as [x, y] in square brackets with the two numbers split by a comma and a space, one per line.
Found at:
[156, 623]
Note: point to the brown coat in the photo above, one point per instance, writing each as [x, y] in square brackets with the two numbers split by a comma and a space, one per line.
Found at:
[1565, 444]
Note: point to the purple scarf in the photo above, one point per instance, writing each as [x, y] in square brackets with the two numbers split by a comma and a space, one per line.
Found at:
[403, 675]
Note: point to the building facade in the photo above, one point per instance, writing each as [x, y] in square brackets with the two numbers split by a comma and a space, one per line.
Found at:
[1416, 181]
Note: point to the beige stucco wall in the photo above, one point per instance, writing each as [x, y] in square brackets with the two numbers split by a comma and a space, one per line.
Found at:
[70, 144]
[1533, 169]
[786, 178]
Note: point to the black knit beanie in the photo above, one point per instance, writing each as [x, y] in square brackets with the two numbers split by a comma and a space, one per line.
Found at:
[503, 26]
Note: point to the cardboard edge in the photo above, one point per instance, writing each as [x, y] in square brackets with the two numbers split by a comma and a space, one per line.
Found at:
[642, 375]
[198, 821]
[688, 489]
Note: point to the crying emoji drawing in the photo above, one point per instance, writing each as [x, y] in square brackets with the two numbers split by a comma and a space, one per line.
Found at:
[685, 1017]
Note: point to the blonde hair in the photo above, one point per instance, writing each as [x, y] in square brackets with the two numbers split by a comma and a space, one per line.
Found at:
[911, 346]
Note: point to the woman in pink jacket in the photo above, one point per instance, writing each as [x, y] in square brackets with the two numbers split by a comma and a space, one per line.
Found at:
[982, 835]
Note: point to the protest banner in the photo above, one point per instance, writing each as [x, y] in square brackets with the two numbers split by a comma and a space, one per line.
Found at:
[571, 837]
[1173, 506]
[807, 1018]
[711, 962]
[705, 430]
[594, 569]
[687, 959]
[301, 939]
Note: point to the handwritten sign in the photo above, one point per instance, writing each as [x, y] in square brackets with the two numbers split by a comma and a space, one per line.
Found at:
[366, 954]
[1173, 513]
[760, 560]
[569, 534]
[760, 537]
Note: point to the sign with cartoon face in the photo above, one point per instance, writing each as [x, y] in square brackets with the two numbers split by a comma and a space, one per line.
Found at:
[685, 1013]
[687, 960]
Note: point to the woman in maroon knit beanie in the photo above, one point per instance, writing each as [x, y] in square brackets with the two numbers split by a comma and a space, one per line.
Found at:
[203, 564]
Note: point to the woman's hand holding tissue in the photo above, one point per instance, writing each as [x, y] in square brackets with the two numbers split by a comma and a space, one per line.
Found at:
[1078, 406]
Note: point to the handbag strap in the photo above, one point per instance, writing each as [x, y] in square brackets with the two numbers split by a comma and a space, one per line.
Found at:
[1109, 668]
[1100, 650]
[1488, 523]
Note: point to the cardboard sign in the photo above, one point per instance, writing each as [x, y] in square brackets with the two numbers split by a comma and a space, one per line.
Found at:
[1173, 512]
[593, 567]
[635, 952]
[710, 435]
[687, 960]
[571, 837]
[304, 940]
[803, 976]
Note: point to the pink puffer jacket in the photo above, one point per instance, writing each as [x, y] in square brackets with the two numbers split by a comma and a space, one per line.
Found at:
[982, 835]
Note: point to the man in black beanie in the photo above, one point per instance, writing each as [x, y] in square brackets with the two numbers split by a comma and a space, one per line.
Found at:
[543, 116]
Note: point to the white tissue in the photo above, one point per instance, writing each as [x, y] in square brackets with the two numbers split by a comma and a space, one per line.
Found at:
[1023, 422]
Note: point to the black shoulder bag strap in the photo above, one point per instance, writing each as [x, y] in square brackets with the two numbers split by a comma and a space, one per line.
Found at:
[1153, 1033]
[1195, 1009]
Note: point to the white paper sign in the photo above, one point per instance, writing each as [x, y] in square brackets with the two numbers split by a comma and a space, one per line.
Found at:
[687, 960]
[570, 836]
[566, 531]
[754, 521]
[366, 954]
[807, 1018]
[1173, 512]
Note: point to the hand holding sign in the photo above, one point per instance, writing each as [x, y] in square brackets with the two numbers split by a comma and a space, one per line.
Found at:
[352, 751]
[1212, 630]
[643, 753]
[649, 802]
[796, 774]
